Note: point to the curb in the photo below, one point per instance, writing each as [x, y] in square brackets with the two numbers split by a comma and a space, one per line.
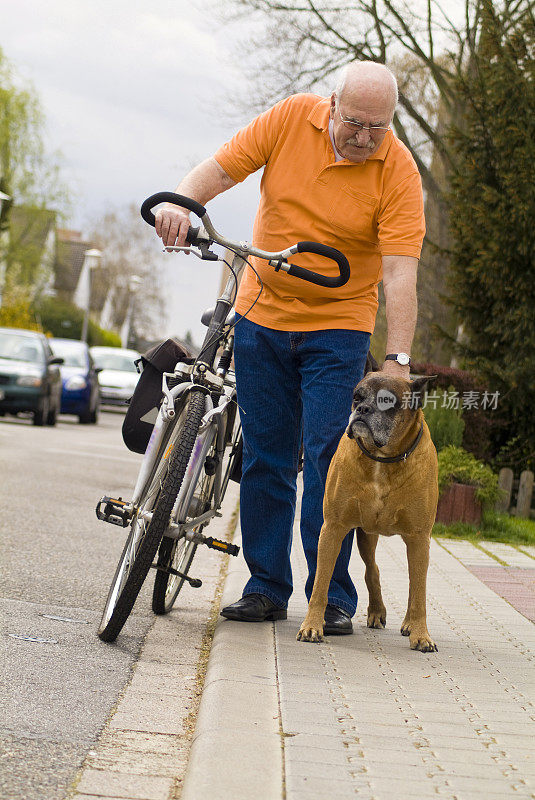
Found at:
[142, 749]
[236, 750]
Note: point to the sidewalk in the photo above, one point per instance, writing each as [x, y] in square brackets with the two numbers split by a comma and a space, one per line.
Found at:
[365, 716]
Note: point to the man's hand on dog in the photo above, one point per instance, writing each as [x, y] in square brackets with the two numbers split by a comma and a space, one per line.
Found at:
[396, 370]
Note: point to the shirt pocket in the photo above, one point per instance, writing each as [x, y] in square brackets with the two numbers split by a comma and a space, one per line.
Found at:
[355, 213]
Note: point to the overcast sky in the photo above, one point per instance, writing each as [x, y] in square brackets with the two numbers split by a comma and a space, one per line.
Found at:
[133, 94]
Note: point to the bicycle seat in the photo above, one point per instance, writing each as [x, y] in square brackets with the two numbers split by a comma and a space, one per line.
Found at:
[207, 316]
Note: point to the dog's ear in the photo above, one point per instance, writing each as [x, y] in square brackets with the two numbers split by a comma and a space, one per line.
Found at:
[371, 364]
[418, 388]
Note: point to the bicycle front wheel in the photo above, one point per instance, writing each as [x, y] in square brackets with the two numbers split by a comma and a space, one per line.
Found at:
[158, 501]
[194, 499]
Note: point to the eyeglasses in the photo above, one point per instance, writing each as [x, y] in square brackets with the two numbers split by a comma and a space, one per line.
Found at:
[360, 126]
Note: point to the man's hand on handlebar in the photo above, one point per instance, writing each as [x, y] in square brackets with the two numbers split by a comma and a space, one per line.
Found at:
[172, 224]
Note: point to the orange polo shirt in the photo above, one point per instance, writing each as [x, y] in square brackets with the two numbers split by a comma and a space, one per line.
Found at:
[365, 210]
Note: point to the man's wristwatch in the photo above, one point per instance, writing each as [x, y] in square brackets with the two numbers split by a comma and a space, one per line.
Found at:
[401, 358]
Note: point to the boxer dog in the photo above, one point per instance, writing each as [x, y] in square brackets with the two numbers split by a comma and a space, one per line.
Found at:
[383, 480]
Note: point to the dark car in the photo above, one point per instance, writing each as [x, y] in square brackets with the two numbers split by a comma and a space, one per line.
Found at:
[30, 379]
[80, 393]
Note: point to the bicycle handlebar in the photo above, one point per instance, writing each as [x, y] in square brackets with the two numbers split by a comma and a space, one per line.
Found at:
[315, 277]
[177, 200]
[276, 259]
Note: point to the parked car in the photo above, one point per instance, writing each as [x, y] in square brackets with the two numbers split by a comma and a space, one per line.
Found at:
[118, 375]
[30, 379]
[80, 393]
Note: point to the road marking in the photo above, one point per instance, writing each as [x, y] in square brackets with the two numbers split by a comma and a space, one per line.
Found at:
[65, 619]
[33, 639]
[71, 452]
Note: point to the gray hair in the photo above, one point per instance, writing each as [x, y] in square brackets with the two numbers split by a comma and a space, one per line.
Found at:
[343, 76]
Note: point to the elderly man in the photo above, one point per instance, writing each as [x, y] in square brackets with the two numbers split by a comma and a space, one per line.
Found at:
[335, 173]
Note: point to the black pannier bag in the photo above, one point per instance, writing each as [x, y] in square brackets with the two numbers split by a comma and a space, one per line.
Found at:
[237, 459]
[145, 402]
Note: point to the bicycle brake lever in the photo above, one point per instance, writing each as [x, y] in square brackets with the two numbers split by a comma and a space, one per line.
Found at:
[203, 252]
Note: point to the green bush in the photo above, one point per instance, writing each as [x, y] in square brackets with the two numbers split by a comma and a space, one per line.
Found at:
[65, 320]
[16, 309]
[59, 318]
[100, 336]
[456, 465]
[446, 425]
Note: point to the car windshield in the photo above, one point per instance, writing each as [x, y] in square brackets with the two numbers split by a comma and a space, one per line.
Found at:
[18, 347]
[118, 361]
[72, 353]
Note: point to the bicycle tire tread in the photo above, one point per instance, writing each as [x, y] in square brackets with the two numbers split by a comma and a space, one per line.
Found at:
[159, 604]
[178, 462]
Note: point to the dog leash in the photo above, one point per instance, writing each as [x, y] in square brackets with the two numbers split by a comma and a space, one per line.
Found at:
[393, 459]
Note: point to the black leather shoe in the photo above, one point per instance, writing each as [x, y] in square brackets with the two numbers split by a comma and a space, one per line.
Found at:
[337, 622]
[254, 608]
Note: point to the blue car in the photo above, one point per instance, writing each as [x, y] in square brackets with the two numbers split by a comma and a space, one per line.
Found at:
[80, 394]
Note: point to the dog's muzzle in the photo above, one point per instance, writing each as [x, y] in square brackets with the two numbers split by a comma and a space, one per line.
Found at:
[354, 435]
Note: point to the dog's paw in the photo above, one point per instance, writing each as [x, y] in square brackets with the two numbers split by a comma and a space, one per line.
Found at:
[423, 643]
[307, 634]
[376, 618]
[405, 629]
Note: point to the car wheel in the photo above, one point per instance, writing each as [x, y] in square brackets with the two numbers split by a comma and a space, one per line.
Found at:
[93, 416]
[41, 414]
[52, 416]
[85, 417]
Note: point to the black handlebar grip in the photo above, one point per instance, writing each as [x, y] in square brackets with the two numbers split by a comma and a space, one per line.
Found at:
[315, 277]
[169, 197]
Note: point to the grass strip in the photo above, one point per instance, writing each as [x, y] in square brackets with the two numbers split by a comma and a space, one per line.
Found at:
[493, 527]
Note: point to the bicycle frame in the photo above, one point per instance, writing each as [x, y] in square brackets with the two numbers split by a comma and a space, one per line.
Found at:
[215, 416]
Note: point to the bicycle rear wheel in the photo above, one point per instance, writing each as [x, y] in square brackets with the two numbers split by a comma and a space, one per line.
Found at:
[159, 498]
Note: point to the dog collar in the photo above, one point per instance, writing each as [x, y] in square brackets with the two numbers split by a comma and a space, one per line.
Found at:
[393, 459]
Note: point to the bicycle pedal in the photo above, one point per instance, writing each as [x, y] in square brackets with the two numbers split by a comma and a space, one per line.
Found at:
[223, 547]
[113, 511]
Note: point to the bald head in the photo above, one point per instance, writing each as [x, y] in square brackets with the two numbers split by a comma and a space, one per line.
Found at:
[362, 108]
[362, 80]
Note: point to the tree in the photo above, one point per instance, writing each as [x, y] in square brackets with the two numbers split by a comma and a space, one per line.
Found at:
[28, 175]
[492, 212]
[301, 44]
[128, 249]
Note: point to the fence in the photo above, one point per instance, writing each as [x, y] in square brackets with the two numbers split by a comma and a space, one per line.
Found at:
[520, 489]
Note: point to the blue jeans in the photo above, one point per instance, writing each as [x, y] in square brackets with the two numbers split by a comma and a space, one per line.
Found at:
[292, 385]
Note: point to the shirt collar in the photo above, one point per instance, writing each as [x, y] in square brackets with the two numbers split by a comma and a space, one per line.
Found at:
[319, 117]
[337, 155]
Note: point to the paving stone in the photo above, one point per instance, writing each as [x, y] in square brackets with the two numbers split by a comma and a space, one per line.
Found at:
[320, 740]
[322, 787]
[120, 785]
[509, 554]
[366, 708]
[317, 755]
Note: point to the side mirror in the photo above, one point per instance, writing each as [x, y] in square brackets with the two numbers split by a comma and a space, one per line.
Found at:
[56, 360]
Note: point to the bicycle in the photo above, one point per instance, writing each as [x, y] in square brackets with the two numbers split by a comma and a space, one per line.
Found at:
[195, 445]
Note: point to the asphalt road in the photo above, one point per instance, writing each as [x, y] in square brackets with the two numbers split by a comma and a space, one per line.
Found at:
[58, 560]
